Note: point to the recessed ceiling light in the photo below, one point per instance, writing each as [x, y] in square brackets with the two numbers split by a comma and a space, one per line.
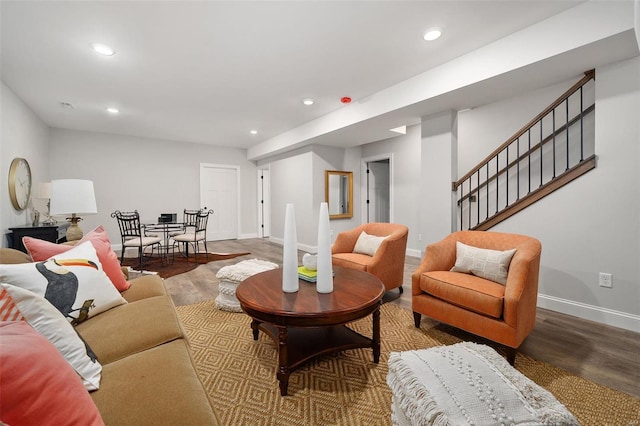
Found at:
[253, 132]
[432, 34]
[103, 49]
[308, 102]
[113, 110]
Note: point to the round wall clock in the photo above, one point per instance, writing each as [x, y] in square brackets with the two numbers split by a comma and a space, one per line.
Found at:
[19, 183]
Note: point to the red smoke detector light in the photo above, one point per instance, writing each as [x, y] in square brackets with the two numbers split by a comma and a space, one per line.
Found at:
[346, 100]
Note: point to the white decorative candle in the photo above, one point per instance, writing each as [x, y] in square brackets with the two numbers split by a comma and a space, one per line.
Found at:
[324, 282]
[290, 252]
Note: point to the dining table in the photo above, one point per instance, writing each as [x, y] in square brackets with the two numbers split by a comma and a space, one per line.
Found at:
[167, 229]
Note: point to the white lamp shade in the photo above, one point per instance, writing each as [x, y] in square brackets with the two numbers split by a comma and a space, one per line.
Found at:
[44, 190]
[70, 196]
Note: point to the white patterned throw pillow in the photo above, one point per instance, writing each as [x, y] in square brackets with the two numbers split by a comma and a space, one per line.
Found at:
[367, 244]
[73, 282]
[17, 304]
[492, 265]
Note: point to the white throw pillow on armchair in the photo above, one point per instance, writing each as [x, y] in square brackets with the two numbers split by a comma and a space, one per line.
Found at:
[368, 244]
[492, 265]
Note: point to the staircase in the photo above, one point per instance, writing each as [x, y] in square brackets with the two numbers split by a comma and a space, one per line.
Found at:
[554, 148]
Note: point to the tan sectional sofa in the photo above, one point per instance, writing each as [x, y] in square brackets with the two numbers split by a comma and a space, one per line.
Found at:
[148, 375]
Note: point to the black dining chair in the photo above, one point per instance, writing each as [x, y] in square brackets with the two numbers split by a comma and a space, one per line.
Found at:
[133, 235]
[188, 222]
[196, 235]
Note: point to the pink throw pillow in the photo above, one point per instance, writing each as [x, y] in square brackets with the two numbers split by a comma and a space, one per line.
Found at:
[38, 385]
[41, 250]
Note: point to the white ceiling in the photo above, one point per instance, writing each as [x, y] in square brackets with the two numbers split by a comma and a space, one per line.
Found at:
[210, 71]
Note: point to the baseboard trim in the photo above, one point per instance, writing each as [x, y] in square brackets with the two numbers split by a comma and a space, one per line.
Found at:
[247, 236]
[314, 249]
[589, 312]
[303, 247]
[413, 253]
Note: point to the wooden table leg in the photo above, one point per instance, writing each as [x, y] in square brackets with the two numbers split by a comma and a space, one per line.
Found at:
[375, 343]
[254, 326]
[283, 361]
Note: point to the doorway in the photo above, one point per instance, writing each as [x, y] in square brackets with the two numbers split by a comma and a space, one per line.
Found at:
[377, 189]
[219, 188]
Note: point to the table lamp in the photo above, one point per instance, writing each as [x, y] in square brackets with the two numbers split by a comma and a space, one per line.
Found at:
[44, 192]
[74, 197]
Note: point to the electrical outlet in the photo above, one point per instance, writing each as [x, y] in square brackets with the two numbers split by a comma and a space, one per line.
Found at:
[419, 237]
[606, 280]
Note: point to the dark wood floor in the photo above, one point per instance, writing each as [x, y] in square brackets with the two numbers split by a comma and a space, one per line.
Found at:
[604, 354]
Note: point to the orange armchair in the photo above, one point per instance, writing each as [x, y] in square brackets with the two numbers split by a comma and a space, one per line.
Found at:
[505, 314]
[388, 261]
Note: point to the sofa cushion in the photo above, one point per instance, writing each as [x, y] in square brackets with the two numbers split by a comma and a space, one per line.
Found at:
[144, 287]
[490, 264]
[131, 328]
[42, 250]
[367, 244]
[73, 282]
[351, 260]
[19, 304]
[30, 367]
[10, 256]
[153, 387]
[467, 291]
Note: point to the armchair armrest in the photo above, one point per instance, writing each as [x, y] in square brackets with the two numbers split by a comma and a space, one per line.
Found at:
[388, 261]
[440, 256]
[346, 241]
[521, 292]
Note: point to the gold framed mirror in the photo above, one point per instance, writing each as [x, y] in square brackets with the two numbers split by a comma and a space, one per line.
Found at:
[338, 193]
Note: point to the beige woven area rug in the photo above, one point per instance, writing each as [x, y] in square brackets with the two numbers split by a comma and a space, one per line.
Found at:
[348, 388]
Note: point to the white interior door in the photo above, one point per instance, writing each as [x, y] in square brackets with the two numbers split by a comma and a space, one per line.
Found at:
[264, 204]
[219, 192]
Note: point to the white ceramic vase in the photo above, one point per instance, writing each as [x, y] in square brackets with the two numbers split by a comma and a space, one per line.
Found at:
[324, 283]
[290, 252]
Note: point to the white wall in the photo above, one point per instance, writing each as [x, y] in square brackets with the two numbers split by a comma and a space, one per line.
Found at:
[350, 163]
[22, 134]
[292, 182]
[331, 158]
[593, 224]
[483, 129]
[298, 177]
[405, 174]
[149, 175]
[438, 143]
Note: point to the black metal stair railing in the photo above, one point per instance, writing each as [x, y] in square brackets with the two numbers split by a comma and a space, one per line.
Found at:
[551, 150]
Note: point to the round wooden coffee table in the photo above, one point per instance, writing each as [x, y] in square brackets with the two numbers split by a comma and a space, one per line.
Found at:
[307, 324]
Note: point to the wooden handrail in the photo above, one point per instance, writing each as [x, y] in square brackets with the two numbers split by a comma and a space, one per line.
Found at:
[587, 76]
[534, 148]
[537, 194]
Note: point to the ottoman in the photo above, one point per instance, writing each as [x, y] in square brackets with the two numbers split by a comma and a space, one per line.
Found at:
[230, 276]
[467, 383]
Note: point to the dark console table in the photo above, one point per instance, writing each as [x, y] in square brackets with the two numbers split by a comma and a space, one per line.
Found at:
[56, 233]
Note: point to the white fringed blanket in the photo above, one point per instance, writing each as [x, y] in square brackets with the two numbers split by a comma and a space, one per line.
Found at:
[467, 384]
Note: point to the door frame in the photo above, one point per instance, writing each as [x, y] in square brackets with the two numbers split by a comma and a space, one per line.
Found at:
[223, 166]
[363, 185]
[264, 202]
